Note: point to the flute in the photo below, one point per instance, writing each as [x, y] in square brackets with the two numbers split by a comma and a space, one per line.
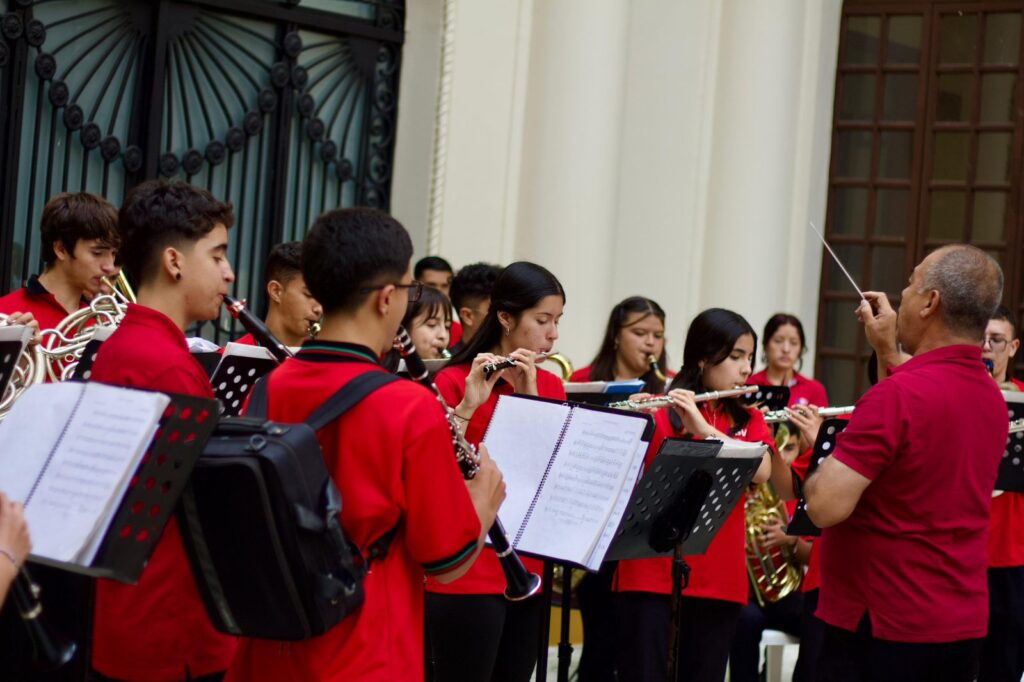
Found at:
[657, 401]
[498, 365]
[779, 416]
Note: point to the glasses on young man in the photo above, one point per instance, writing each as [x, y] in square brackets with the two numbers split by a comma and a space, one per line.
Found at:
[415, 289]
[996, 343]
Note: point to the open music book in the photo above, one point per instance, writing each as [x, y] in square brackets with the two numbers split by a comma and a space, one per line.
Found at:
[569, 472]
[67, 452]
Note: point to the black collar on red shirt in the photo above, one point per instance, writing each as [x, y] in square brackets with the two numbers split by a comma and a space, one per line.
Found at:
[336, 351]
[34, 286]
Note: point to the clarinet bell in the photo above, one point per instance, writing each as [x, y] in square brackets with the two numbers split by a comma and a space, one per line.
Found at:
[51, 649]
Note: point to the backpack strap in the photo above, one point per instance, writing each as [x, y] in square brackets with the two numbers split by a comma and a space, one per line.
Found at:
[258, 403]
[347, 397]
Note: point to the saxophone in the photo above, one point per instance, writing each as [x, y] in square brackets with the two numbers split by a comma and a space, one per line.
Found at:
[774, 573]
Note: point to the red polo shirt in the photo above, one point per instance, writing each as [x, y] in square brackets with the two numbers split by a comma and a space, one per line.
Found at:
[34, 298]
[486, 576]
[812, 579]
[157, 629]
[802, 390]
[391, 456]
[913, 552]
[721, 572]
[581, 375]
[455, 334]
[1006, 530]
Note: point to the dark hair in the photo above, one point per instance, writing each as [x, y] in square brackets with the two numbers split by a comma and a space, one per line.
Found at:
[1003, 313]
[283, 263]
[779, 320]
[473, 283]
[434, 304]
[710, 339]
[602, 368]
[161, 213]
[349, 249]
[431, 263]
[970, 286]
[71, 216]
[519, 287]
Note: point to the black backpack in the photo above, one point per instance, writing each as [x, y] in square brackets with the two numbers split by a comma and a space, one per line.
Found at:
[261, 527]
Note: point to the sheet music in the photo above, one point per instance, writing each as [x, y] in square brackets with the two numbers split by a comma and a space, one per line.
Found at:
[583, 486]
[521, 438]
[99, 435]
[600, 549]
[739, 449]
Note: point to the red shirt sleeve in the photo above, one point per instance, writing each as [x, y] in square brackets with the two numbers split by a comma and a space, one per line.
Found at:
[869, 444]
[451, 382]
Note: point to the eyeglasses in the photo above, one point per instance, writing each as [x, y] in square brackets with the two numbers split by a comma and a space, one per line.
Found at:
[996, 343]
[415, 289]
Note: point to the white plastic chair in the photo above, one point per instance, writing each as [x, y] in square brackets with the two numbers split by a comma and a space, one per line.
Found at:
[774, 643]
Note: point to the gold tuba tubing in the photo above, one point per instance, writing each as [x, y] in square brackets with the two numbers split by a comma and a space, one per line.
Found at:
[774, 573]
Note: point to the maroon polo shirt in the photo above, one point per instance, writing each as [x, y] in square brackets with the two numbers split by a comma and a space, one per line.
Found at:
[158, 629]
[913, 554]
[392, 458]
[34, 298]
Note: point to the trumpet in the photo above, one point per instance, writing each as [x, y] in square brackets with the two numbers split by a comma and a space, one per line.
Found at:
[779, 416]
[657, 401]
[498, 365]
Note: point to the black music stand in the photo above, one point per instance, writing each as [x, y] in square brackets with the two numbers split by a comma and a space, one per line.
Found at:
[824, 445]
[83, 370]
[1011, 468]
[10, 354]
[234, 378]
[773, 397]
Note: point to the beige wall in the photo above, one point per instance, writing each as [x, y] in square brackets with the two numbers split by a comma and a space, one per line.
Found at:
[655, 147]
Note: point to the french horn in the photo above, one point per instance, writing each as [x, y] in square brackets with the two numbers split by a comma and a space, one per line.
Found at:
[29, 370]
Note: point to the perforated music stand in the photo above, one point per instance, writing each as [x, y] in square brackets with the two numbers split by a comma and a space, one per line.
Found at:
[234, 378]
[83, 370]
[824, 445]
[773, 397]
[1011, 468]
[10, 353]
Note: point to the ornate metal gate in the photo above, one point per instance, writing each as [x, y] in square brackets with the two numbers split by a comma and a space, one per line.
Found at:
[283, 108]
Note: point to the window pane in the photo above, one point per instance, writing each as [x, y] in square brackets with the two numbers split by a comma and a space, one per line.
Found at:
[852, 256]
[994, 157]
[997, 97]
[895, 154]
[854, 154]
[887, 268]
[958, 38]
[862, 38]
[858, 98]
[904, 40]
[999, 256]
[950, 156]
[900, 97]
[849, 210]
[1002, 38]
[954, 100]
[946, 216]
[989, 224]
[891, 213]
[841, 325]
[840, 378]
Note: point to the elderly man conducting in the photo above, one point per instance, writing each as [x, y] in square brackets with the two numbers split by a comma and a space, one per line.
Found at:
[905, 497]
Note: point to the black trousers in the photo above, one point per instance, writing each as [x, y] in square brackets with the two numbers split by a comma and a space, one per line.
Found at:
[812, 636]
[213, 677]
[860, 657]
[745, 655]
[644, 623]
[1002, 657]
[597, 610]
[481, 637]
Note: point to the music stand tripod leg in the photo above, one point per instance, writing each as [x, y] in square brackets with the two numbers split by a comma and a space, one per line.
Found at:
[564, 645]
[680, 581]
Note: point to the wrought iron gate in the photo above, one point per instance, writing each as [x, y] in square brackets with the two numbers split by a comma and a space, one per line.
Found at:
[283, 108]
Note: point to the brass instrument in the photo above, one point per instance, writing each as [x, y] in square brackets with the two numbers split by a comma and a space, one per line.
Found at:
[29, 371]
[498, 365]
[653, 362]
[314, 329]
[779, 416]
[563, 363]
[446, 354]
[657, 401]
[62, 346]
[774, 573]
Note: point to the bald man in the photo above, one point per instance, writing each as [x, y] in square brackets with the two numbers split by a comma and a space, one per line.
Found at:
[905, 497]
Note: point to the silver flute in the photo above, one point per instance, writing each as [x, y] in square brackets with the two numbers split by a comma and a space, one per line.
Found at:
[498, 365]
[658, 401]
[779, 416]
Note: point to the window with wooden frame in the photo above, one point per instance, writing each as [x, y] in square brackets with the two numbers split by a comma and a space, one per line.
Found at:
[926, 151]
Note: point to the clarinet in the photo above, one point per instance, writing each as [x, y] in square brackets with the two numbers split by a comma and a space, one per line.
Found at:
[520, 582]
[259, 331]
[51, 649]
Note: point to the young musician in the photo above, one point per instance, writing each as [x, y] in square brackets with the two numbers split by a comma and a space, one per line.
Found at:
[717, 355]
[476, 634]
[471, 298]
[291, 309]
[391, 457]
[428, 321]
[635, 333]
[174, 246]
[905, 498]
[435, 272]
[1003, 651]
[15, 543]
[78, 232]
[784, 347]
